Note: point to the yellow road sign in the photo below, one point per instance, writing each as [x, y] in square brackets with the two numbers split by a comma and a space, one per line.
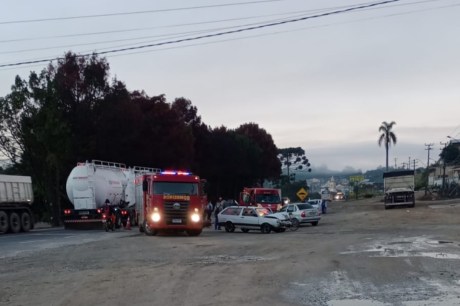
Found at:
[302, 194]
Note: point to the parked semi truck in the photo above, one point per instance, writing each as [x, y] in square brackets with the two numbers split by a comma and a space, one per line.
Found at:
[172, 201]
[263, 197]
[16, 197]
[91, 184]
[399, 188]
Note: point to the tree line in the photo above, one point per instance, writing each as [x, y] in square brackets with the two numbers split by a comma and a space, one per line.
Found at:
[72, 111]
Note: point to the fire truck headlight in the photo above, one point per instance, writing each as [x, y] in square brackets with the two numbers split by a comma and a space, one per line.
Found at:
[155, 217]
[196, 217]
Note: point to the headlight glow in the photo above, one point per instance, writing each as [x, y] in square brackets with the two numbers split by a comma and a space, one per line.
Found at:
[196, 217]
[155, 217]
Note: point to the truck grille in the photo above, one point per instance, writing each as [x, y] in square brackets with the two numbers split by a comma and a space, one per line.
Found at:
[174, 213]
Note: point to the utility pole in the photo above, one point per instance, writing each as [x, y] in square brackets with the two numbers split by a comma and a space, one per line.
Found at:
[428, 148]
[404, 165]
[415, 162]
[443, 168]
[408, 164]
[396, 159]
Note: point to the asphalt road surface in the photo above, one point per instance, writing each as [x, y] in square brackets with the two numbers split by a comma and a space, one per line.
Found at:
[359, 254]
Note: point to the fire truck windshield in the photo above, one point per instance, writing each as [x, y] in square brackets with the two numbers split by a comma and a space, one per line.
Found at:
[268, 198]
[175, 188]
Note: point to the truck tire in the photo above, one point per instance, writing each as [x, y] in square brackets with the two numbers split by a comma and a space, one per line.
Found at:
[148, 231]
[15, 223]
[26, 222]
[4, 222]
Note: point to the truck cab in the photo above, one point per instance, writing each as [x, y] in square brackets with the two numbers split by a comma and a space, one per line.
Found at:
[262, 197]
[170, 201]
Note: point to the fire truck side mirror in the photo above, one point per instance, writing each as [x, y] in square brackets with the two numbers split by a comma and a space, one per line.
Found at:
[145, 185]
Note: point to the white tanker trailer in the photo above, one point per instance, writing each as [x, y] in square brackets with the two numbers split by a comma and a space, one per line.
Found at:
[91, 184]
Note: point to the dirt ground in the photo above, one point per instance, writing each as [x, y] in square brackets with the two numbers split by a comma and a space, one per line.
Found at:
[359, 254]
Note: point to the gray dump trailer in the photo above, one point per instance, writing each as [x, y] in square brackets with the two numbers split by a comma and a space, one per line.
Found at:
[16, 197]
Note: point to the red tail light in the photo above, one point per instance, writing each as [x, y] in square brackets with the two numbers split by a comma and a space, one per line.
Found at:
[303, 214]
[124, 212]
[104, 216]
[99, 211]
[67, 211]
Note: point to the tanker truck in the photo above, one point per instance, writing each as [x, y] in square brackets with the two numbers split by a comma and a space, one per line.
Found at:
[91, 184]
[16, 197]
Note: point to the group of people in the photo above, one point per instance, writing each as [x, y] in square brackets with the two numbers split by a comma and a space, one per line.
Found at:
[214, 209]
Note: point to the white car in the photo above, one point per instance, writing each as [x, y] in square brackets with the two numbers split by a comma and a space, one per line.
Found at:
[251, 218]
[303, 212]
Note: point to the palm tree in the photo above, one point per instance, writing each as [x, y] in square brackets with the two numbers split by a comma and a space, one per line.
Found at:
[387, 136]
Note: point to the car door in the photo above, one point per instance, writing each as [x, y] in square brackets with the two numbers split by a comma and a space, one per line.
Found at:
[249, 218]
[291, 210]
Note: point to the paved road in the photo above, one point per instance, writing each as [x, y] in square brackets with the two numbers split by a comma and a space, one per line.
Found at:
[359, 254]
[50, 238]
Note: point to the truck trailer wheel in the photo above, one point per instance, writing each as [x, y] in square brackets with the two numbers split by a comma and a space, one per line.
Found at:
[15, 223]
[4, 222]
[26, 222]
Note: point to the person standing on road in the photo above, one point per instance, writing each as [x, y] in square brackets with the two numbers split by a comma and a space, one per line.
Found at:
[217, 210]
[209, 209]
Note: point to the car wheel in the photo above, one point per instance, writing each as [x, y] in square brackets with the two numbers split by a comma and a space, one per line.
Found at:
[229, 227]
[266, 228]
[314, 223]
[244, 230]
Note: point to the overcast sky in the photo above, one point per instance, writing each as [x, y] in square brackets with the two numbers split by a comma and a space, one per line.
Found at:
[325, 83]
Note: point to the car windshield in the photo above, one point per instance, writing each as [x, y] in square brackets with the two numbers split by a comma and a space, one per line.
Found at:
[304, 206]
[268, 198]
[175, 188]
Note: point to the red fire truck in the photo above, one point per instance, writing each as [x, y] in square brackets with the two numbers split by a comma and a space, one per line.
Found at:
[264, 197]
[170, 201]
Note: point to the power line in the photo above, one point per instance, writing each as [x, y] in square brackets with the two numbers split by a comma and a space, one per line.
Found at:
[164, 36]
[275, 33]
[297, 13]
[136, 12]
[250, 36]
[350, 9]
[172, 35]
